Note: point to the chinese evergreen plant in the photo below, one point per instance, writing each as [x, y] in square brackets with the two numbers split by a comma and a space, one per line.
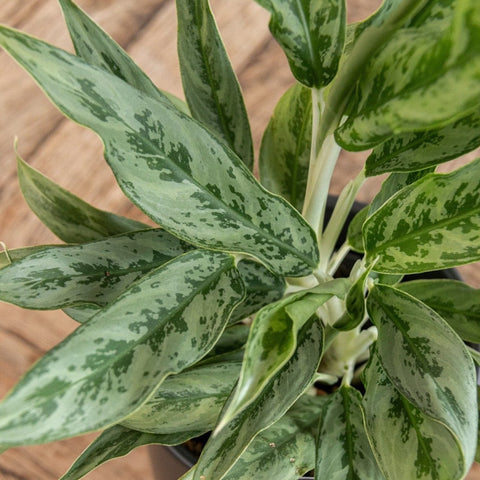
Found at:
[163, 352]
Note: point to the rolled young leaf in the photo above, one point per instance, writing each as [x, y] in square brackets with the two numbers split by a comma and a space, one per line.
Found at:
[273, 339]
[416, 347]
[429, 225]
[312, 34]
[225, 446]
[343, 449]
[457, 303]
[394, 94]
[67, 216]
[170, 166]
[420, 150]
[285, 150]
[115, 442]
[95, 272]
[211, 87]
[407, 443]
[147, 334]
[97, 48]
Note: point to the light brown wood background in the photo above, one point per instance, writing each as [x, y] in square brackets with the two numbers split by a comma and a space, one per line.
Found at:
[72, 156]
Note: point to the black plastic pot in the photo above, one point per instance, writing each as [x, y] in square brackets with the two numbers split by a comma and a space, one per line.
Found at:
[170, 463]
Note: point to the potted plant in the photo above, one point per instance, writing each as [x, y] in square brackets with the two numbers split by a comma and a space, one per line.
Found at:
[164, 352]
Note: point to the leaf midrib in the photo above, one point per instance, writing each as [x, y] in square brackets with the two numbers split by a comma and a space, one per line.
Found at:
[105, 366]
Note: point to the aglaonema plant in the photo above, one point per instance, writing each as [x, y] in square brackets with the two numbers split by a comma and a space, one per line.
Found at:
[229, 317]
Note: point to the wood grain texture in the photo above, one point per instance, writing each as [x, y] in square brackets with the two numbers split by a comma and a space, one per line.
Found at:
[72, 156]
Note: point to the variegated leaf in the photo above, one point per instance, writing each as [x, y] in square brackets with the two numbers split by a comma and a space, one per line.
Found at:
[416, 347]
[117, 442]
[211, 87]
[420, 150]
[97, 48]
[188, 402]
[431, 224]
[226, 445]
[273, 340]
[285, 149]
[343, 449]
[67, 216]
[285, 450]
[396, 96]
[95, 272]
[312, 34]
[407, 443]
[161, 325]
[262, 287]
[457, 303]
[169, 165]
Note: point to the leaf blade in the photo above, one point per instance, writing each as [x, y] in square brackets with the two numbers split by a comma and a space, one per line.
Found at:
[95, 272]
[285, 149]
[136, 341]
[211, 87]
[415, 346]
[422, 448]
[152, 137]
[311, 34]
[225, 446]
[67, 216]
[428, 225]
[97, 48]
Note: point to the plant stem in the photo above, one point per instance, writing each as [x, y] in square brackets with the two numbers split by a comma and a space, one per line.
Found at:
[338, 258]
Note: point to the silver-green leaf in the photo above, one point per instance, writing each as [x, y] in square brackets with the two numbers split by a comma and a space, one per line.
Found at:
[211, 87]
[67, 216]
[169, 165]
[226, 445]
[285, 150]
[431, 224]
[312, 34]
[420, 150]
[95, 272]
[188, 402]
[116, 442]
[343, 449]
[161, 325]
[97, 48]
[285, 450]
[416, 347]
[407, 443]
[396, 95]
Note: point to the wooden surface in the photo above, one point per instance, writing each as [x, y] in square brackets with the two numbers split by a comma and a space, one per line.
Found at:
[72, 156]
